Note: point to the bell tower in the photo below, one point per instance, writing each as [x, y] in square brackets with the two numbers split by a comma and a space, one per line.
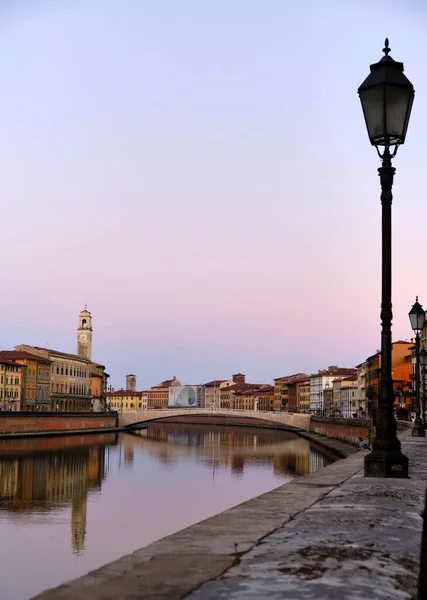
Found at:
[84, 335]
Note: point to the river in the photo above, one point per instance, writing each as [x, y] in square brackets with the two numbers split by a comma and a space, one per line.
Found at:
[73, 503]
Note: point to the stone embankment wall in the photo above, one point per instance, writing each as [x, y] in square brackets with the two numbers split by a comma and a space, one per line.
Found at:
[15, 423]
[346, 430]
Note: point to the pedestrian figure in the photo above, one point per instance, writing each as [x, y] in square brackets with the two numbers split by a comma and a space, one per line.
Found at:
[364, 445]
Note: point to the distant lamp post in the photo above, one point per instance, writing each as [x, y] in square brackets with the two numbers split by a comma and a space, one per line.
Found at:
[423, 361]
[417, 317]
[386, 96]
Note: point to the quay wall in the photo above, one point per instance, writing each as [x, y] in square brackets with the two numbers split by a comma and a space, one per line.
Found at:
[345, 430]
[25, 423]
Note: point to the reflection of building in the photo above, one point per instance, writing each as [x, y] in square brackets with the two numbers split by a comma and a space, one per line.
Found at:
[232, 447]
[47, 480]
[187, 396]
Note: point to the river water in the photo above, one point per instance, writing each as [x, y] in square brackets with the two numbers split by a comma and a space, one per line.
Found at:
[71, 504]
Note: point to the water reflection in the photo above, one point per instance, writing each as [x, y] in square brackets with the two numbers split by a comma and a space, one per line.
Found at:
[71, 504]
[233, 448]
[35, 478]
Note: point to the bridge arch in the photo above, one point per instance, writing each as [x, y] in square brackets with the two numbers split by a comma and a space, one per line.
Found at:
[132, 419]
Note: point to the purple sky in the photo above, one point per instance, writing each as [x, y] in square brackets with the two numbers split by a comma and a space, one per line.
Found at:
[200, 174]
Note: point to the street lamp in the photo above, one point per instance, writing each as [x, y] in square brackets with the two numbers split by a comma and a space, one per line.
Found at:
[423, 362]
[386, 96]
[417, 317]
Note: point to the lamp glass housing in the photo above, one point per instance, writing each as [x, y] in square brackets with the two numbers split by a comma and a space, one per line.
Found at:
[387, 96]
[417, 317]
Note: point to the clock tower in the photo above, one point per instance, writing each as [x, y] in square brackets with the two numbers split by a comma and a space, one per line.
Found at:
[84, 335]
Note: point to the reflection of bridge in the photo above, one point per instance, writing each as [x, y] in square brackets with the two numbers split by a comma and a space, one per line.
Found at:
[220, 417]
[226, 447]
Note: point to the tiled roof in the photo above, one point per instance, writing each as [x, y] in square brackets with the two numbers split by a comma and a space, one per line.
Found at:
[123, 393]
[335, 372]
[215, 382]
[266, 388]
[21, 355]
[286, 377]
[64, 354]
[4, 361]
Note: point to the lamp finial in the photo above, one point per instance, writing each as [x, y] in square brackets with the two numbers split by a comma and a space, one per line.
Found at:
[386, 49]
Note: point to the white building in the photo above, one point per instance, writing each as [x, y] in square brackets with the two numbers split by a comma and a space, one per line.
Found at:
[362, 370]
[320, 381]
[348, 398]
[187, 396]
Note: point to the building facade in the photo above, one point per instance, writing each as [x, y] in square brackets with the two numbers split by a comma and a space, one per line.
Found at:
[264, 398]
[10, 385]
[213, 393]
[401, 370]
[187, 396]
[125, 401]
[324, 379]
[70, 379]
[303, 395]
[98, 387]
[158, 395]
[35, 379]
[285, 392]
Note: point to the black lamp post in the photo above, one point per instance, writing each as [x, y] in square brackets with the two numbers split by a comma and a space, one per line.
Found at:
[386, 96]
[417, 317]
[423, 361]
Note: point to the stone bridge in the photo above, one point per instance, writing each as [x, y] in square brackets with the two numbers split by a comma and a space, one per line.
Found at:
[220, 416]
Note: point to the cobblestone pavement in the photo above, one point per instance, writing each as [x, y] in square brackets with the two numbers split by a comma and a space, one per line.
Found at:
[360, 541]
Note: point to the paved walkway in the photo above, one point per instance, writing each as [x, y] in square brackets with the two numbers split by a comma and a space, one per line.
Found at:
[330, 535]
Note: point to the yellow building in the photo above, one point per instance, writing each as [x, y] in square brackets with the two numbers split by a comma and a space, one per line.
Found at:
[10, 385]
[125, 400]
[35, 379]
[70, 379]
[303, 395]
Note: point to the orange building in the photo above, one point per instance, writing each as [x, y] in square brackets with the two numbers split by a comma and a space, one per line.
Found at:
[158, 395]
[98, 388]
[401, 364]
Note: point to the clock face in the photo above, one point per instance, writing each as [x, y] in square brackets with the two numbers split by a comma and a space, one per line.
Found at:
[83, 337]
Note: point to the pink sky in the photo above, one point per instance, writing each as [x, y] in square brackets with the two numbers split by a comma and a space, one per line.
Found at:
[200, 175]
